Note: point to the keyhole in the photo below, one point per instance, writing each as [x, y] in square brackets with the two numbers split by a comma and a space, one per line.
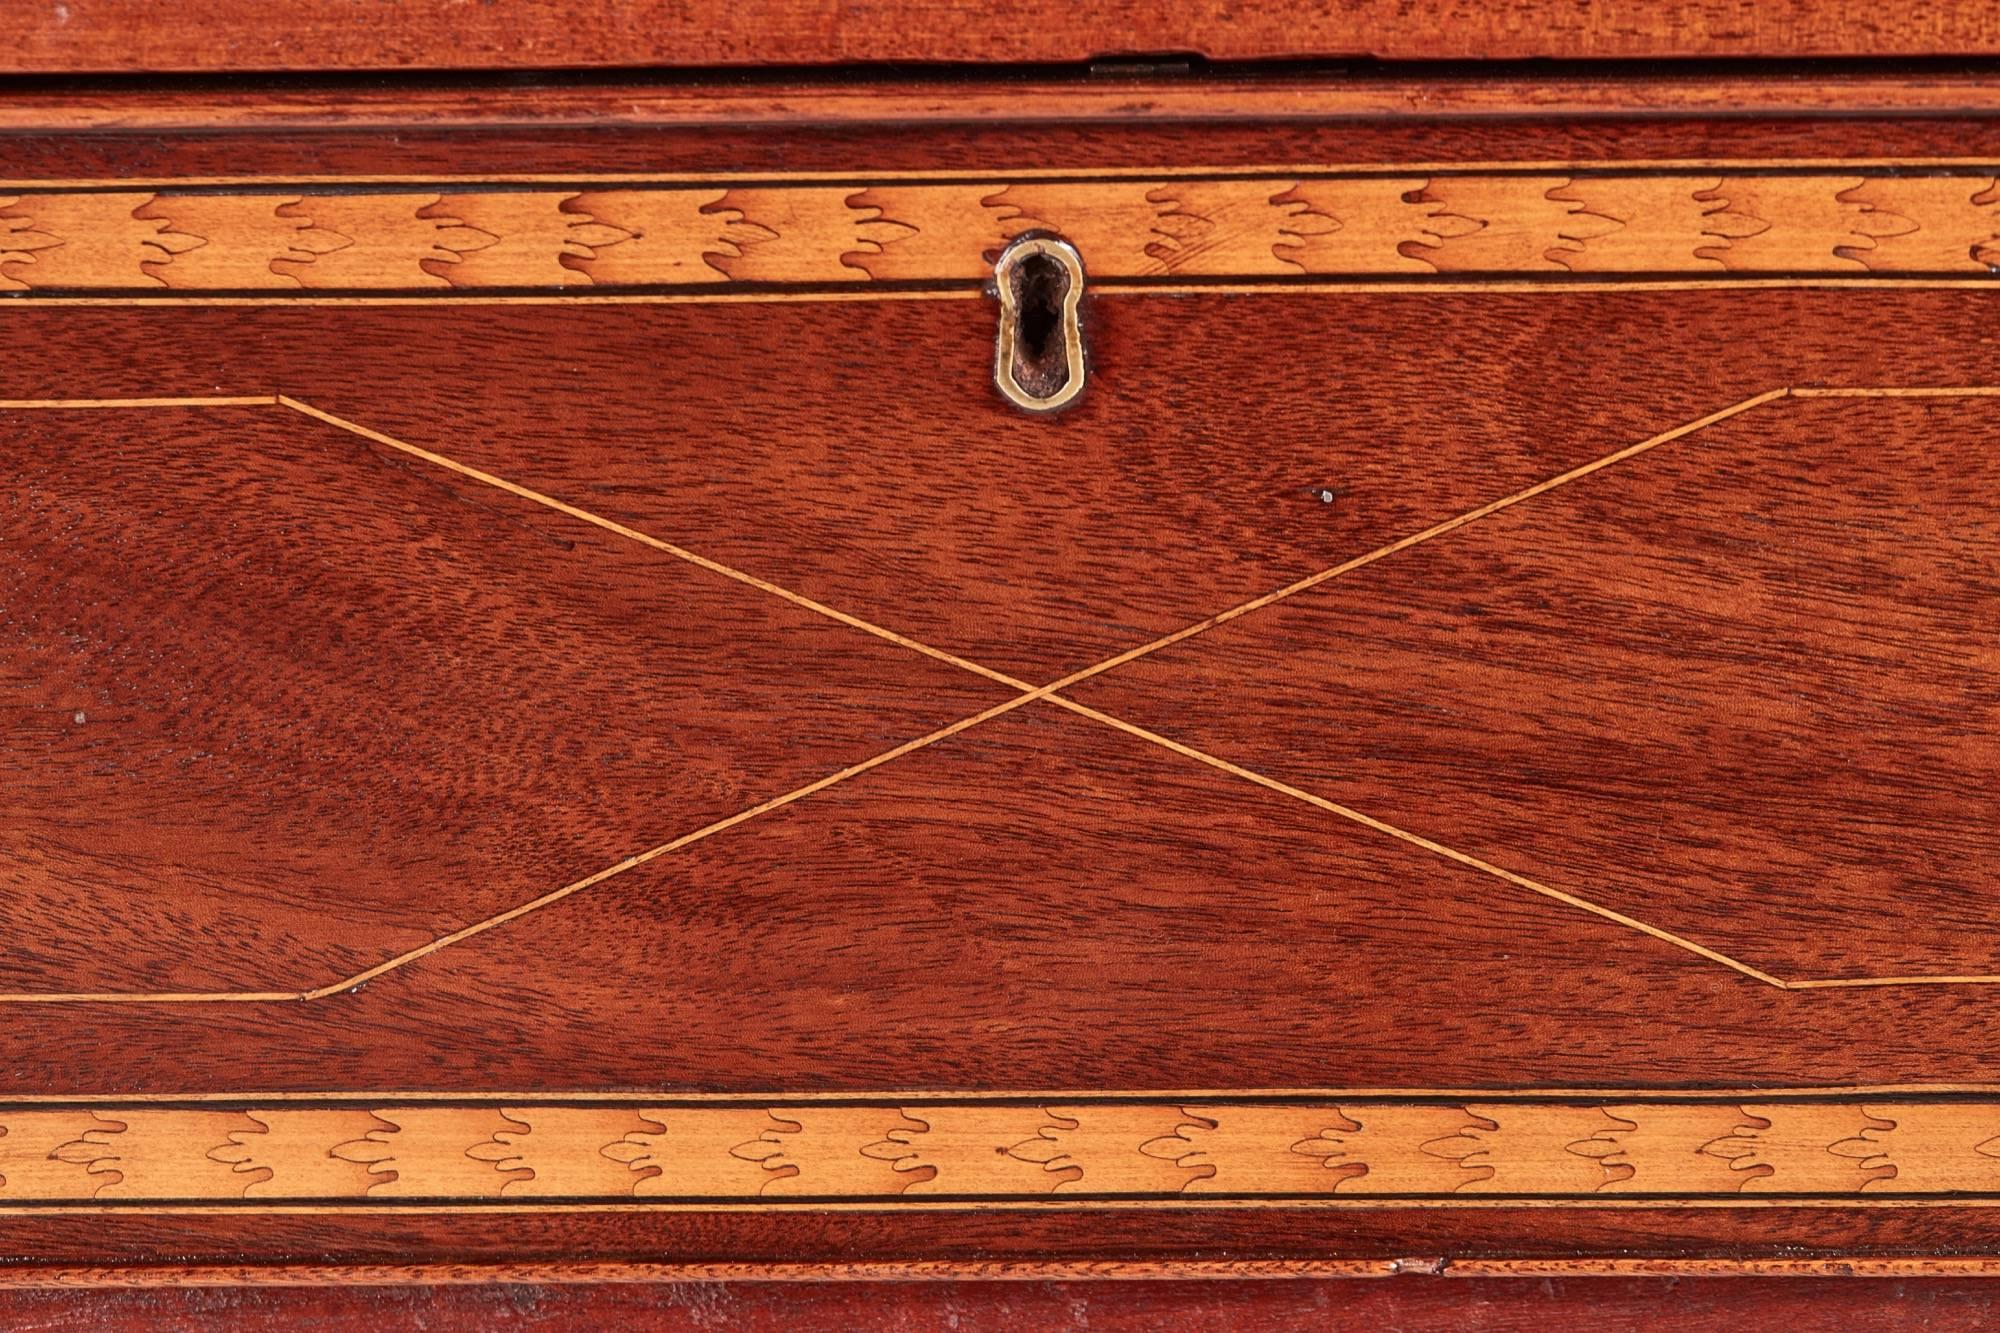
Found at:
[1039, 363]
[1040, 285]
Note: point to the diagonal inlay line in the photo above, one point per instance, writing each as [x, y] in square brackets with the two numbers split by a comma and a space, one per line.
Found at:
[1312, 581]
[557, 895]
[1499, 872]
[1029, 694]
[1415, 840]
[646, 539]
[1049, 691]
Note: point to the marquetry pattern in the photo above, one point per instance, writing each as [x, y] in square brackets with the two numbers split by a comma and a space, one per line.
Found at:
[276, 238]
[1019, 1150]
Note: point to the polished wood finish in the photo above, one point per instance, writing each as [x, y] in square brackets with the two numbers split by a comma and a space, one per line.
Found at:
[1622, 642]
[862, 148]
[416, 599]
[1468, 751]
[102, 35]
[1615, 1305]
[1161, 95]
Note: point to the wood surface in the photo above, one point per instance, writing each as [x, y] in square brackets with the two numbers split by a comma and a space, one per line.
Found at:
[1826, 136]
[1301, 98]
[235, 35]
[1394, 779]
[1632, 625]
[1917, 218]
[1616, 1305]
[954, 1153]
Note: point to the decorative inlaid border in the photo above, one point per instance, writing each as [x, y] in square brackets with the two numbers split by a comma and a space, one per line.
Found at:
[946, 1151]
[1376, 224]
[391, 1152]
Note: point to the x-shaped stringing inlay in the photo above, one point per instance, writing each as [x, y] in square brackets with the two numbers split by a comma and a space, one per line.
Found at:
[1025, 692]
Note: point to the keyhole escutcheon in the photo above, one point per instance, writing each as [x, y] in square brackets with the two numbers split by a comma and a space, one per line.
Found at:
[1039, 360]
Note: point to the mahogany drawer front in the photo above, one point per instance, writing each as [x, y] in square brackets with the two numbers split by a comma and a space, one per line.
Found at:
[557, 721]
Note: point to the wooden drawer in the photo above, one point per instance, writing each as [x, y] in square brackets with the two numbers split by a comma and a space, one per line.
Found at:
[558, 722]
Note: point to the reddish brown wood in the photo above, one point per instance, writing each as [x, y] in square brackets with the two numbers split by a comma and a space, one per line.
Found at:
[99, 35]
[1037, 904]
[483, 678]
[1739, 687]
[865, 150]
[128, 1248]
[1167, 488]
[1609, 1304]
[1112, 96]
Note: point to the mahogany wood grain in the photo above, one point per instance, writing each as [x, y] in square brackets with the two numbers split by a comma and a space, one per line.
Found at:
[1614, 1305]
[971, 96]
[437, 617]
[1024, 519]
[1493, 433]
[1499, 433]
[461, 702]
[136, 1246]
[863, 148]
[1774, 634]
[98, 35]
